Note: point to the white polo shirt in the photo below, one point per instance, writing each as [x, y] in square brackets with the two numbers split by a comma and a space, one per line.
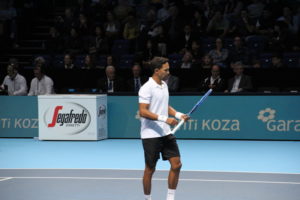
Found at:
[17, 86]
[157, 96]
[41, 87]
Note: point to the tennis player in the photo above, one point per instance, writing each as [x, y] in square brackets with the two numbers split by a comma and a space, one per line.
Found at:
[155, 127]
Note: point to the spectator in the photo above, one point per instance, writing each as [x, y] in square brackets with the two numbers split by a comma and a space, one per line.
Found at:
[131, 32]
[98, 44]
[89, 62]
[280, 39]
[239, 52]
[73, 42]
[149, 51]
[41, 84]
[255, 9]
[218, 25]
[14, 84]
[219, 55]
[172, 82]
[173, 24]
[243, 25]
[207, 62]
[276, 61]
[199, 23]
[233, 8]
[147, 26]
[65, 24]
[240, 82]
[161, 42]
[137, 80]
[264, 25]
[83, 26]
[122, 10]
[187, 61]
[68, 61]
[112, 27]
[110, 83]
[163, 13]
[54, 44]
[291, 21]
[196, 52]
[185, 41]
[214, 81]
[110, 61]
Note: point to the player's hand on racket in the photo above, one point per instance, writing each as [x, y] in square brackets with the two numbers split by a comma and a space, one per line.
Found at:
[172, 121]
[185, 117]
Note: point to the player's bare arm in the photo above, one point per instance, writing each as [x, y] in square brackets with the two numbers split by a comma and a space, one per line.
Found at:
[144, 112]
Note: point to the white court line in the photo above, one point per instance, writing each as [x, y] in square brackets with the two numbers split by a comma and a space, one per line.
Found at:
[158, 179]
[163, 170]
[5, 179]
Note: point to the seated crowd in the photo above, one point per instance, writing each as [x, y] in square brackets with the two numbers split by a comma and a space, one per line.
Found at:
[208, 35]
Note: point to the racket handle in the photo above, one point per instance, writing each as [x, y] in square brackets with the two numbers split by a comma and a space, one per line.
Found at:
[177, 126]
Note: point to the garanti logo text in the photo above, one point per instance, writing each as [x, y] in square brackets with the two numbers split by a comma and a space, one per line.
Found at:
[69, 118]
[268, 116]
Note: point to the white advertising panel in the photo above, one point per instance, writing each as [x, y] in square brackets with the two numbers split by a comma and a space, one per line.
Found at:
[72, 117]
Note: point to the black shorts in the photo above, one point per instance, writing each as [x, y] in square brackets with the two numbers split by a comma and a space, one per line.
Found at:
[166, 145]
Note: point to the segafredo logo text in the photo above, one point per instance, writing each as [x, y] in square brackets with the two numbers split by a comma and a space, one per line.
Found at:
[67, 118]
[268, 116]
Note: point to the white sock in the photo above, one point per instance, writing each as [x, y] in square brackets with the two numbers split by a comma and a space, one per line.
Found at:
[147, 197]
[171, 194]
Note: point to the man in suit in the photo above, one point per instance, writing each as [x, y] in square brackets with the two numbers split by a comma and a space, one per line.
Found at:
[172, 82]
[137, 80]
[240, 82]
[110, 83]
[214, 81]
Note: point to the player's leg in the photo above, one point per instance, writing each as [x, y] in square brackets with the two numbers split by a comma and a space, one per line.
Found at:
[174, 172]
[147, 179]
[152, 148]
[171, 152]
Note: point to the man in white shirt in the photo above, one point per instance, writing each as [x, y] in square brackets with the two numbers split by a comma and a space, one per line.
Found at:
[16, 84]
[41, 84]
[154, 110]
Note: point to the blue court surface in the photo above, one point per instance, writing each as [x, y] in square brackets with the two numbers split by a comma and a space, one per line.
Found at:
[112, 170]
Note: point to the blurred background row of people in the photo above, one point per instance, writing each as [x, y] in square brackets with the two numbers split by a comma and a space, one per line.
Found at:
[14, 84]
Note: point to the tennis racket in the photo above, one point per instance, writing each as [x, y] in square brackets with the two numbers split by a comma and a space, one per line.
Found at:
[192, 110]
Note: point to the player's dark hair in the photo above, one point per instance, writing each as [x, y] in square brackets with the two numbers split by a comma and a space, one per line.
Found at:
[157, 63]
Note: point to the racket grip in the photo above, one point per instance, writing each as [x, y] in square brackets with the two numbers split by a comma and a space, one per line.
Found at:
[177, 126]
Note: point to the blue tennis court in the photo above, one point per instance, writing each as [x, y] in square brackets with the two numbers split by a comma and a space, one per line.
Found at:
[112, 170]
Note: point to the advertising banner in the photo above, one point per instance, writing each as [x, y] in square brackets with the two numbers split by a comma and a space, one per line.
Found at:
[18, 116]
[219, 117]
[72, 117]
